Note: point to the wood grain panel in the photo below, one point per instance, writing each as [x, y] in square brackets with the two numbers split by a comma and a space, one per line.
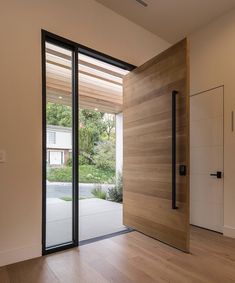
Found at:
[100, 84]
[148, 147]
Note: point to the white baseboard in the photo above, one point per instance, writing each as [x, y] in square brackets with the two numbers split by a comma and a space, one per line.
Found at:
[229, 231]
[16, 255]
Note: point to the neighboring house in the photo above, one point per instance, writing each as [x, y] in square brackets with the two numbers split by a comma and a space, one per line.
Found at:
[59, 145]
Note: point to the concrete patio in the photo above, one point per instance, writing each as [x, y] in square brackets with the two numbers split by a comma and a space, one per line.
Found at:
[97, 218]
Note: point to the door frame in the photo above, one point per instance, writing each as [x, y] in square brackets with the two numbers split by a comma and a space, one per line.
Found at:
[192, 95]
[75, 48]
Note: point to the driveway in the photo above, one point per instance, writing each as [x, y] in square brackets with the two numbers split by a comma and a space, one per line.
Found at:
[59, 190]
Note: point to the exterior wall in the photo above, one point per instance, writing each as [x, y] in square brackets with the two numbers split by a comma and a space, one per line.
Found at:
[63, 137]
[62, 143]
[213, 64]
[83, 21]
[119, 143]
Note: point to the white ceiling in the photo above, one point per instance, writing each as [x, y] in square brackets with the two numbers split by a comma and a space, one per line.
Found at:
[172, 20]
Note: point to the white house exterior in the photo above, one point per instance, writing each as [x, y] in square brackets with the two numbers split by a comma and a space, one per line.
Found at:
[59, 145]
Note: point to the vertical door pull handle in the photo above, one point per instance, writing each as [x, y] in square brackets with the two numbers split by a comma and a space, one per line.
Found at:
[232, 121]
[174, 93]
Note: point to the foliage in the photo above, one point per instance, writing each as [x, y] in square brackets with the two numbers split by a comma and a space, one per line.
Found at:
[91, 118]
[62, 174]
[91, 174]
[67, 198]
[83, 160]
[109, 125]
[59, 115]
[116, 193]
[95, 128]
[69, 162]
[99, 193]
[96, 144]
[104, 157]
[87, 140]
[87, 174]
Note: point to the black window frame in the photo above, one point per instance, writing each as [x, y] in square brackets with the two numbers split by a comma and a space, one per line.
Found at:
[75, 48]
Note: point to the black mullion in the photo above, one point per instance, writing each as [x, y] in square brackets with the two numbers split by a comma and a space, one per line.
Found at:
[43, 54]
[75, 145]
[105, 58]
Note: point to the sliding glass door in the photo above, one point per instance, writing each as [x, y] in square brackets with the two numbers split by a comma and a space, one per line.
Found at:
[60, 145]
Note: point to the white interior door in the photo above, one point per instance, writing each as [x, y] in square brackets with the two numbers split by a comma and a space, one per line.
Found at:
[206, 150]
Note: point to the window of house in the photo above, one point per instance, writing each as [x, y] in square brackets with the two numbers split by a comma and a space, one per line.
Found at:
[51, 137]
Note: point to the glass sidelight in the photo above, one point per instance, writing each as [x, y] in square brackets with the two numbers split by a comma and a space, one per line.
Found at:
[60, 166]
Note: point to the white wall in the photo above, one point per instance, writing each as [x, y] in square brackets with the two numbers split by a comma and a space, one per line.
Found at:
[119, 143]
[212, 64]
[83, 21]
[63, 140]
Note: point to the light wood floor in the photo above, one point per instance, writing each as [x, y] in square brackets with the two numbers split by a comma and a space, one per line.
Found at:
[134, 258]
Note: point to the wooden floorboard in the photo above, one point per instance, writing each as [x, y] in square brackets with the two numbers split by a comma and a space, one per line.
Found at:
[132, 258]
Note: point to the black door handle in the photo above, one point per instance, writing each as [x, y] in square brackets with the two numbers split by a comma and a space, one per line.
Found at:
[182, 168]
[218, 174]
[174, 93]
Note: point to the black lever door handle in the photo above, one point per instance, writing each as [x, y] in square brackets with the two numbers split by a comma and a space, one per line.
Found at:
[218, 174]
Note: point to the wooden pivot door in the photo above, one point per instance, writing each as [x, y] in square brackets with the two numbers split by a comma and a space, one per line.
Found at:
[156, 147]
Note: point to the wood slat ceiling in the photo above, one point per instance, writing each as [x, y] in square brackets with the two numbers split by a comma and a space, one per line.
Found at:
[100, 84]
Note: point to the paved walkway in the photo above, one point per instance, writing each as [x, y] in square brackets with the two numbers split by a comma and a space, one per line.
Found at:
[97, 218]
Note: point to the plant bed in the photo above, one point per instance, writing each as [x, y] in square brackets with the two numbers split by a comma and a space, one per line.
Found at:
[87, 174]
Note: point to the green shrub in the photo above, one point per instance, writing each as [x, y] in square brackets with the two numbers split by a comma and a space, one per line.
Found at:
[92, 174]
[87, 174]
[69, 162]
[116, 193]
[63, 174]
[83, 160]
[67, 198]
[104, 156]
[99, 193]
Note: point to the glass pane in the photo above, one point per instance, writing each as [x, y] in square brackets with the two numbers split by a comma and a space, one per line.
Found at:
[59, 217]
[100, 148]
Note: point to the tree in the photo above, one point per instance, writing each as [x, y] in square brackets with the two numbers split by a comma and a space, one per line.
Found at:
[109, 125]
[90, 132]
[104, 156]
[95, 129]
[97, 138]
[87, 140]
[59, 115]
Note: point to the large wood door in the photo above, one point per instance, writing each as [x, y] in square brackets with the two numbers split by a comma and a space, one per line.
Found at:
[148, 171]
